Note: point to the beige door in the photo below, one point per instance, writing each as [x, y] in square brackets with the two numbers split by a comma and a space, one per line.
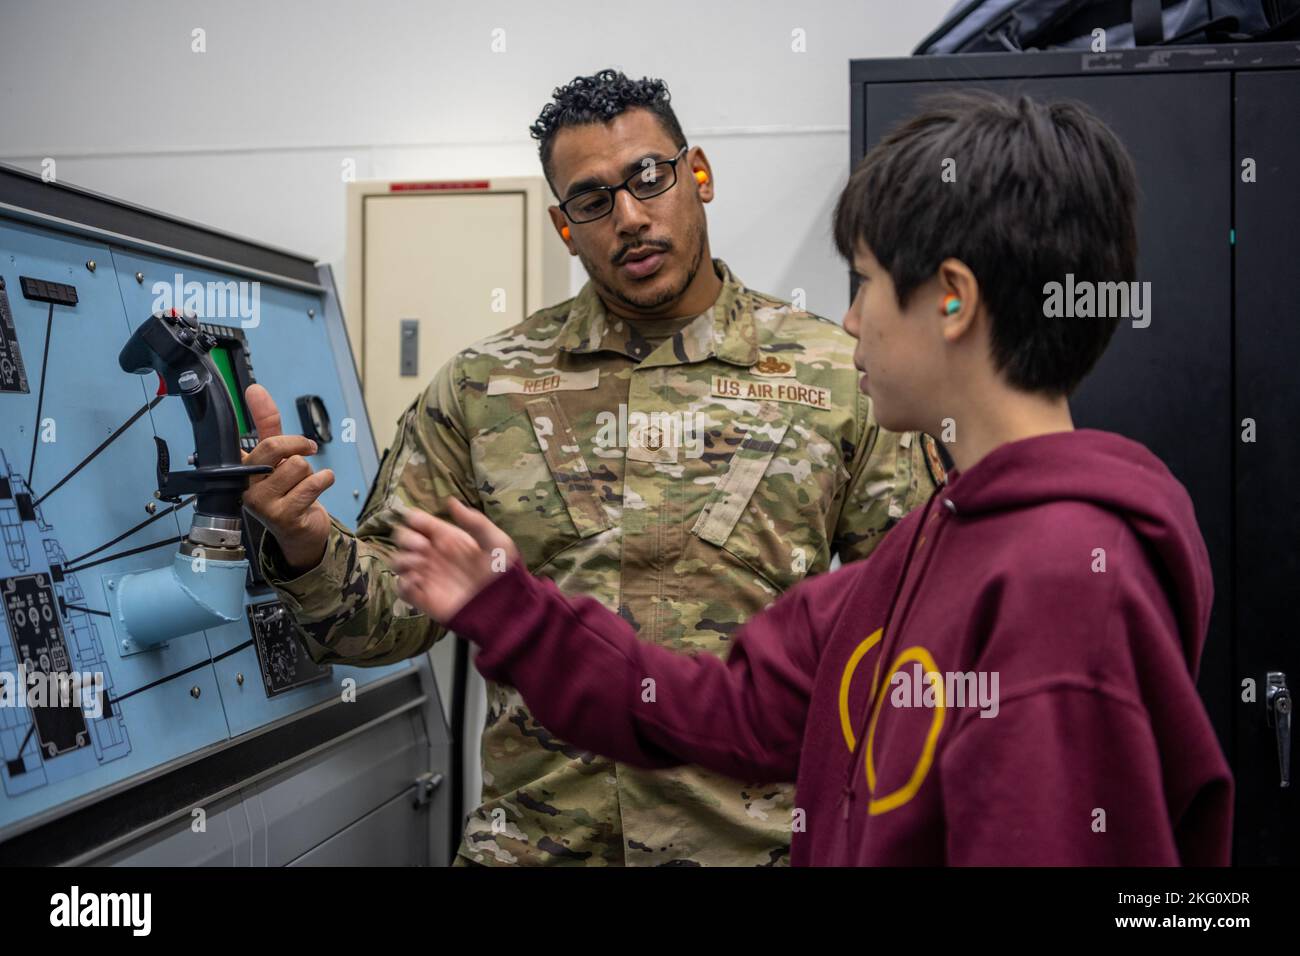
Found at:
[451, 264]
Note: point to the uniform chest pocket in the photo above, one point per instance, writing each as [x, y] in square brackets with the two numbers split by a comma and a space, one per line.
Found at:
[774, 506]
[534, 482]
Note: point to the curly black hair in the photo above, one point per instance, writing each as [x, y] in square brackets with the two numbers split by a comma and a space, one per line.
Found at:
[598, 99]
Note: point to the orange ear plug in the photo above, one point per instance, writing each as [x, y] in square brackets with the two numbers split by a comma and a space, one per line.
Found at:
[564, 231]
[701, 176]
[950, 304]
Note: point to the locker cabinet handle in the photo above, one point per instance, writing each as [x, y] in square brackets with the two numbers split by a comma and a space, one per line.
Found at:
[1277, 700]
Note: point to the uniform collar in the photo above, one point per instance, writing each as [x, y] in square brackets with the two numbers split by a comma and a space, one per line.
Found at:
[726, 331]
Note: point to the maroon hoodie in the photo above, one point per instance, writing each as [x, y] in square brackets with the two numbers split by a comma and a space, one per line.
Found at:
[1018, 656]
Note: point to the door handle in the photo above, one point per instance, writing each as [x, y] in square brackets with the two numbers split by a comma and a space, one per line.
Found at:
[1277, 701]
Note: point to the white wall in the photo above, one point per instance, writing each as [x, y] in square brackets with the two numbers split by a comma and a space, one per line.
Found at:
[250, 135]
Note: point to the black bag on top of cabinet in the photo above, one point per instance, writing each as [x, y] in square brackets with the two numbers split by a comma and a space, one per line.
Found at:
[999, 26]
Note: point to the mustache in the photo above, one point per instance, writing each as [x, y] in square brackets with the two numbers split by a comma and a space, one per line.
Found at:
[663, 246]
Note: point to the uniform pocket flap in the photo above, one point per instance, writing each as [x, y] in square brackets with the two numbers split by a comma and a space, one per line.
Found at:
[567, 465]
[727, 503]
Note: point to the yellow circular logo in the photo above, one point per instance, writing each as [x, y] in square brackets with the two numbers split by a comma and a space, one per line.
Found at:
[903, 794]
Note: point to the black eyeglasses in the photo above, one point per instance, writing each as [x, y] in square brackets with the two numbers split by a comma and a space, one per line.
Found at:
[597, 203]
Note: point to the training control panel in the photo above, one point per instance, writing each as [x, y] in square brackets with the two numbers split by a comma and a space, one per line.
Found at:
[149, 677]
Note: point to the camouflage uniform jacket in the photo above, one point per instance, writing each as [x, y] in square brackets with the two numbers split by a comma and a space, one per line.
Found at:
[684, 486]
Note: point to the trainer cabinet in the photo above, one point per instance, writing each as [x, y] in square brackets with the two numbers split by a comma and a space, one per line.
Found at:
[155, 706]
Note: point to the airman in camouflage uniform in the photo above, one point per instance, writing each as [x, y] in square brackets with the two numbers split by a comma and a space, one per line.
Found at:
[684, 484]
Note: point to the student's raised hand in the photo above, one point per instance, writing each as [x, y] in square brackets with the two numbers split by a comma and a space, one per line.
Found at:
[440, 565]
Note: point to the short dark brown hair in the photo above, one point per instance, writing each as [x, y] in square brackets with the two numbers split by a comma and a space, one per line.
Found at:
[1041, 190]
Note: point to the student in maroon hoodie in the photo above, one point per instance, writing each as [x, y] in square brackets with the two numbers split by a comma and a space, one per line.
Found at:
[1009, 678]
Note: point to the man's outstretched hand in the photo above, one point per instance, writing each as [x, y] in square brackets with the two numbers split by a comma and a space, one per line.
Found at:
[286, 499]
[440, 565]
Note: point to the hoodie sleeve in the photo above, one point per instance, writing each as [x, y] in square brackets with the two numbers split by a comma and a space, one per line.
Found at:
[589, 679]
[1077, 765]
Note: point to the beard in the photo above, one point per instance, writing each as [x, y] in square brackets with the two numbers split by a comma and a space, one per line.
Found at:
[651, 300]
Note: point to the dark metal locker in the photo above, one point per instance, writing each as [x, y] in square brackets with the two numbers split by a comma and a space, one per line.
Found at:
[1267, 554]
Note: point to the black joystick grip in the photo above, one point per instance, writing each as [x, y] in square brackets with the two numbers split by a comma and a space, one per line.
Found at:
[173, 345]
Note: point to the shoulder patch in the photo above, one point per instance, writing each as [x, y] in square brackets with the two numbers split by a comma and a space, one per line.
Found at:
[933, 463]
